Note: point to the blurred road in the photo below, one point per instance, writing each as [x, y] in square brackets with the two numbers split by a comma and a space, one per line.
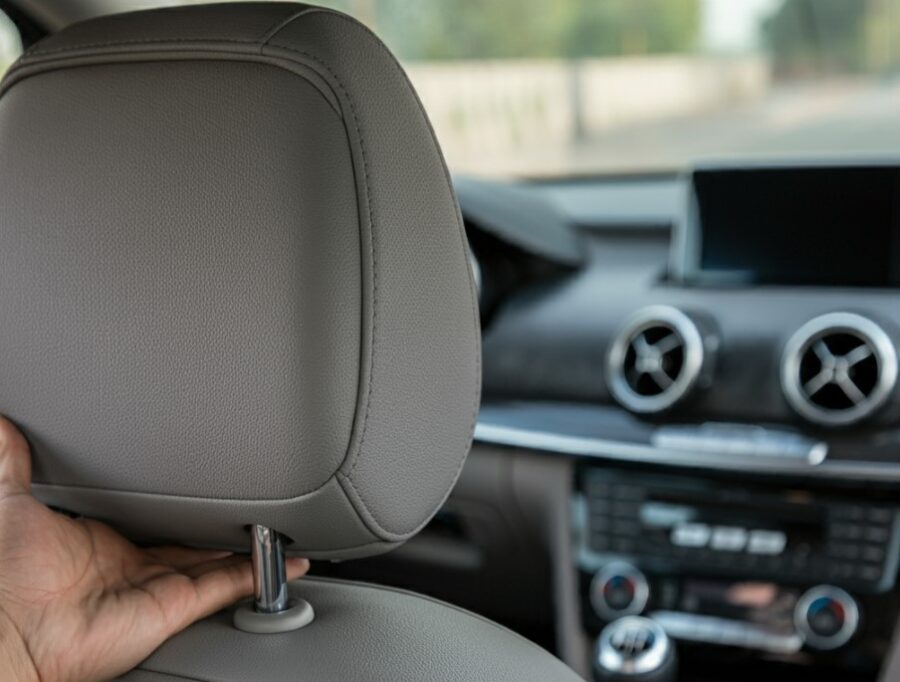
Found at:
[861, 119]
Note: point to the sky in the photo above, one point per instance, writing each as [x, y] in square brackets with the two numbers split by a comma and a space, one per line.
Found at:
[10, 46]
[733, 25]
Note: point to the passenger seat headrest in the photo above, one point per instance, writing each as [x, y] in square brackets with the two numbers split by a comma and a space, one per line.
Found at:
[234, 285]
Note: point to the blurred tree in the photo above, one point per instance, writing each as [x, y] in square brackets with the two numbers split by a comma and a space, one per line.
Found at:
[627, 27]
[495, 29]
[828, 36]
[882, 36]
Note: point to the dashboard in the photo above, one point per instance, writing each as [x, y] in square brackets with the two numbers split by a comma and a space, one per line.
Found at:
[714, 356]
[570, 338]
[690, 414]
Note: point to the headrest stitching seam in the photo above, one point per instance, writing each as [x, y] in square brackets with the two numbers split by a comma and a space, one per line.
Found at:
[461, 231]
[470, 438]
[39, 52]
[379, 526]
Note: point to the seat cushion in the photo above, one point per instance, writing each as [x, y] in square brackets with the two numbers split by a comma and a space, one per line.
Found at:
[361, 632]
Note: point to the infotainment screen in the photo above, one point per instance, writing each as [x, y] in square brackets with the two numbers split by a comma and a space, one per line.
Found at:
[802, 226]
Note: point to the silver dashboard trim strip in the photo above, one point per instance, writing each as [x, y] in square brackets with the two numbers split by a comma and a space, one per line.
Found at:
[621, 451]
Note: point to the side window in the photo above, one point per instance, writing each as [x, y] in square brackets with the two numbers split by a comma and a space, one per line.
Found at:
[10, 43]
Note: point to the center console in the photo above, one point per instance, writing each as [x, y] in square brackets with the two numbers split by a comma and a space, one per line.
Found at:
[734, 418]
[795, 576]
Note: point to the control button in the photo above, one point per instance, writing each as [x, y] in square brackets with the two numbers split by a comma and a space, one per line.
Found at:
[855, 512]
[628, 492]
[728, 539]
[877, 534]
[599, 542]
[842, 550]
[766, 542]
[826, 617]
[775, 563]
[873, 553]
[619, 593]
[844, 571]
[619, 589]
[626, 510]
[881, 515]
[628, 528]
[799, 561]
[624, 545]
[825, 621]
[691, 535]
[870, 573]
[599, 523]
[849, 531]
[599, 506]
[599, 488]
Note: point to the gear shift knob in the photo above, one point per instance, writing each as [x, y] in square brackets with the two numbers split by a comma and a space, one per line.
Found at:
[635, 649]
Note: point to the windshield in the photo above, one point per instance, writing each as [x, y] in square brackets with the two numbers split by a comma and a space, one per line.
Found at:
[10, 43]
[522, 88]
[540, 87]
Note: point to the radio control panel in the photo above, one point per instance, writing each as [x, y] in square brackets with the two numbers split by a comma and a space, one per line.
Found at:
[675, 523]
[797, 574]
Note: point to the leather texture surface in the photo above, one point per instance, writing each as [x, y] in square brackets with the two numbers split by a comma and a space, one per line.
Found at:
[384, 634]
[233, 280]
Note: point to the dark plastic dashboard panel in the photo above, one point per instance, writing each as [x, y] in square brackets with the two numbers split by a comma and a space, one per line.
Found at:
[550, 342]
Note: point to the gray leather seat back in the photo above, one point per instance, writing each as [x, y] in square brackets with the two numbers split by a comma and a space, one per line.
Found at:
[361, 632]
[233, 280]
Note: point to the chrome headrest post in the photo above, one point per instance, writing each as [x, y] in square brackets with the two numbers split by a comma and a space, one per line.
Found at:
[269, 579]
[274, 608]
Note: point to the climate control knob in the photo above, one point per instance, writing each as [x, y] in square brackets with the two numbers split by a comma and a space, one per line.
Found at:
[826, 617]
[619, 589]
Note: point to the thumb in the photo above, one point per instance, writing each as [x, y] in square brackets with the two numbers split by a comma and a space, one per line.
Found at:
[15, 459]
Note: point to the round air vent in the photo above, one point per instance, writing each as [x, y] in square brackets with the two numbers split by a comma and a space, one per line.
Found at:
[838, 369]
[655, 360]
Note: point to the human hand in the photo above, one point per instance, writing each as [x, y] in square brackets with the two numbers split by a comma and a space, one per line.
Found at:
[78, 602]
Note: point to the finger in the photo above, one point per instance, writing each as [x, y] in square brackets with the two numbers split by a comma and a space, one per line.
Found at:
[15, 459]
[296, 567]
[219, 588]
[184, 600]
[232, 580]
[215, 585]
[205, 567]
[181, 558]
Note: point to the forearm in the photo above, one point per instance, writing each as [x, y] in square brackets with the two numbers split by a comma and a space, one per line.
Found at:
[14, 656]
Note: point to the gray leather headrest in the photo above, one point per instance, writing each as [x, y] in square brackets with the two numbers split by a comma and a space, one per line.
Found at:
[233, 280]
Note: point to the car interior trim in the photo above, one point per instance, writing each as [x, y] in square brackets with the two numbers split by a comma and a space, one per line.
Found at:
[815, 464]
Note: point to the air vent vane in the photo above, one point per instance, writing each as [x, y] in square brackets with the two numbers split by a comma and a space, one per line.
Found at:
[655, 360]
[838, 369]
